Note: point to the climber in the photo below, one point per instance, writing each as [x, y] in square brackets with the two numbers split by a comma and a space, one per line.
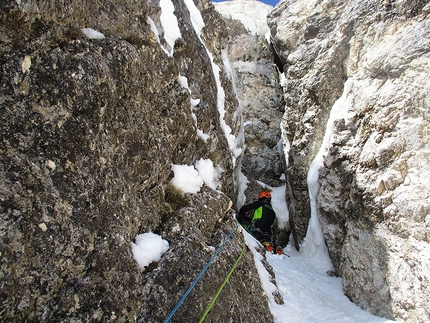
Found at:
[262, 220]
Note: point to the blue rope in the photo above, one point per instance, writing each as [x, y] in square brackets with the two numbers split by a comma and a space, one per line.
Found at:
[198, 277]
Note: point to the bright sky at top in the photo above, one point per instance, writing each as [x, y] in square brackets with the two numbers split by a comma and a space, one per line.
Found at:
[269, 2]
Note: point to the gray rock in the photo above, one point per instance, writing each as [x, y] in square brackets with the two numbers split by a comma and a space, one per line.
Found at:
[89, 130]
[373, 202]
[256, 77]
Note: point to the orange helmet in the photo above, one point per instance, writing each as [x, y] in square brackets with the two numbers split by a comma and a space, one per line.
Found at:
[265, 194]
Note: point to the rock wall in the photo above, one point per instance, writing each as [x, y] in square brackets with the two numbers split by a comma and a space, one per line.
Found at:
[257, 85]
[262, 104]
[89, 130]
[374, 199]
[256, 78]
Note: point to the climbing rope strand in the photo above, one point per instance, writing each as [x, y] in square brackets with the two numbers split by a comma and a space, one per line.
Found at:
[199, 276]
[223, 284]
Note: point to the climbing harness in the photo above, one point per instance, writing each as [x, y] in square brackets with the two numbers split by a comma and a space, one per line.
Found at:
[223, 284]
[199, 276]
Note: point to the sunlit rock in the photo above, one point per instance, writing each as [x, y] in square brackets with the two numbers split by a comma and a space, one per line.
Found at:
[374, 196]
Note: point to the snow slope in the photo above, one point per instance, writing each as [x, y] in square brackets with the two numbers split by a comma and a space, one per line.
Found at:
[251, 13]
[309, 294]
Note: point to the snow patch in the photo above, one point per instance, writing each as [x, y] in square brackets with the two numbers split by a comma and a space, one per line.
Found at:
[252, 14]
[170, 24]
[183, 81]
[242, 185]
[198, 24]
[92, 34]
[149, 247]
[282, 79]
[207, 172]
[156, 33]
[196, 17]
[267, 285]
[314, 245]
[190, 179]
[311, 296]
[186, 178]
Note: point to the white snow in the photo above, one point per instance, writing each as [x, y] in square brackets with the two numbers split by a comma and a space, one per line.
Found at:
[231, 139]
[186, 178]
[207, 172]
[280, 205]
[309, 294]
[190, 179]
[268, 287]
[242, 185]
[227, 67]
[196, 17]
[285, 146]
[92, 34]
[314, 245]
[252, 14]
[170, 24]
[237, 115]
[183, 81]
[156, 33]
[221, 109]
[149, 247]
[282, 79]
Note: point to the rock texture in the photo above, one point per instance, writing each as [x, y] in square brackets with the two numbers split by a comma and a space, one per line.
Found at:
[261, 98]
[257, 85]
[89, 130]
[256, 78]
[374, 198]
[192, 249]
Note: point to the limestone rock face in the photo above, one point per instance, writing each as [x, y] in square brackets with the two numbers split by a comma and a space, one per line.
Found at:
[89, 130]
[373, 201]
[256, 78]
[257, 85]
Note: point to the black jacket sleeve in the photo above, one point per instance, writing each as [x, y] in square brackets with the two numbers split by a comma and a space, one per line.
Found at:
[251, 206]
